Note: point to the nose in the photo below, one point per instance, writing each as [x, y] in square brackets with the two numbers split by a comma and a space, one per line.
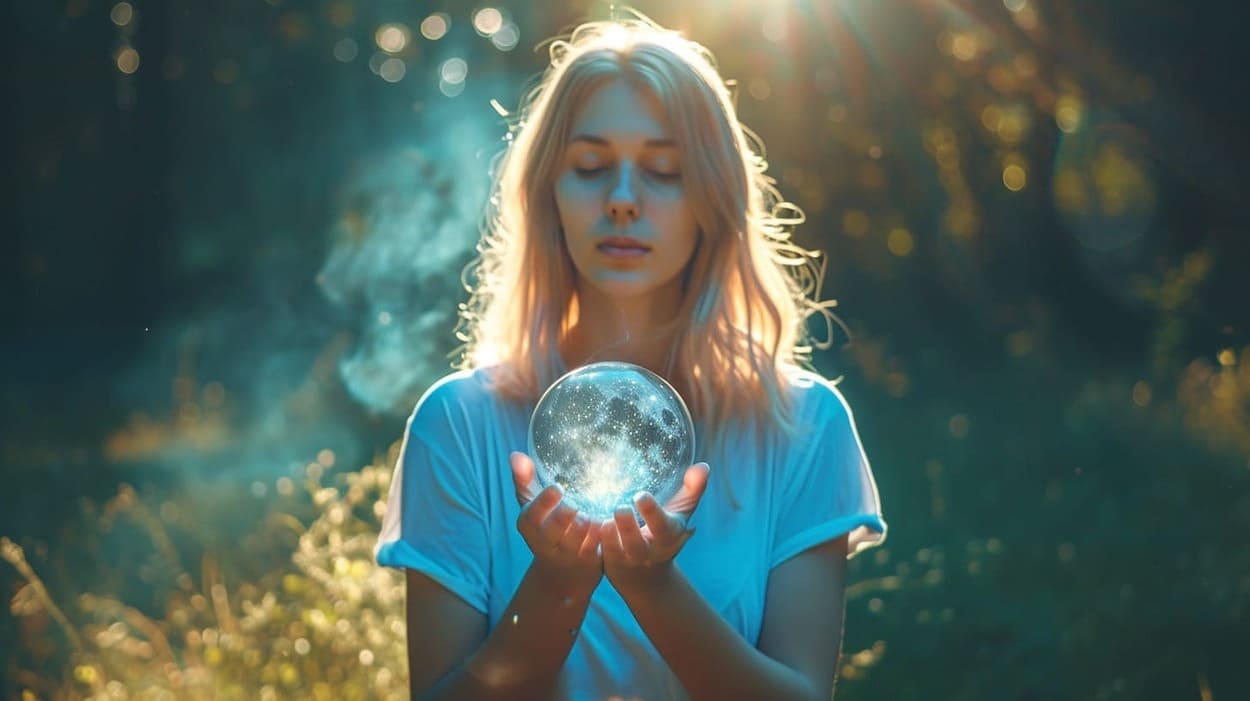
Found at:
[622, 204]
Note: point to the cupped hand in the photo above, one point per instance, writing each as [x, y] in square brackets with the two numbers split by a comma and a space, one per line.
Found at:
[564, 542]
[638, 556]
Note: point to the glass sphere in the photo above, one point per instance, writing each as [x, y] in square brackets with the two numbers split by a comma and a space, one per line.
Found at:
[606, 431]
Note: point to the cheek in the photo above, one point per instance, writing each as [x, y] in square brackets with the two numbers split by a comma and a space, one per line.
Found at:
[575, 211]
[575, 195]
[675, 216]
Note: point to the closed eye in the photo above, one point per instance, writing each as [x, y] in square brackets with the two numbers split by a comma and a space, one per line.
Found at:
[591, 172]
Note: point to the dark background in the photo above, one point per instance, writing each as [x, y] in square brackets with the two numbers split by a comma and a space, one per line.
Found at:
[247, 251]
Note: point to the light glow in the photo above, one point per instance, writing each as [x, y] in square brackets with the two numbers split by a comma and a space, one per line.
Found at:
[487, 21]
[435, 26]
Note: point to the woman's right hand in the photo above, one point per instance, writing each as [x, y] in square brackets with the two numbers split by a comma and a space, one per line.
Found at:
[565, 543]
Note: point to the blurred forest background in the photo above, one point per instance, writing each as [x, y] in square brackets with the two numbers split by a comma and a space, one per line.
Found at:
[234, 237]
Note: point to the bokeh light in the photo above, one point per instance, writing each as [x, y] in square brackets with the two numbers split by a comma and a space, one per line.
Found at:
[127, 60]
[392, 38]
[855, 223]
[487, 21]
[1068, 113]
[122, 13]
[963, 46]
[435, 26]
[454, 70]
[376, 61]
[392, 70]
[900, 242]
[1015, 177]
[450, 89]
[346, 49]
[991, 117]
[507, 37]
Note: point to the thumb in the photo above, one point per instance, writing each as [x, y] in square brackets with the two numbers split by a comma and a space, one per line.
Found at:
[693, 484]
[695, 478]
[523, 477]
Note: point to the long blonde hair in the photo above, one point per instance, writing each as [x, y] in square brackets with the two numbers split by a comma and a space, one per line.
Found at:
[741, 327]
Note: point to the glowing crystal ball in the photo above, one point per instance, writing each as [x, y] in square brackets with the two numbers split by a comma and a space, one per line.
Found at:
[606, 431]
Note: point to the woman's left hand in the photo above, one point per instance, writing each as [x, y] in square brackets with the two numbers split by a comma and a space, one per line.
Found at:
[636, 557]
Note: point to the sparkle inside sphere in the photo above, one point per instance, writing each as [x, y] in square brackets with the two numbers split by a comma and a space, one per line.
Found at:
[606, 431]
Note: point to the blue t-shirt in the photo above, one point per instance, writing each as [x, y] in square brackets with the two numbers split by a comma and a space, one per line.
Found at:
[452, 513]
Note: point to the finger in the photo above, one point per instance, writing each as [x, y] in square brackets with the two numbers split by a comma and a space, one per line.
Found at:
[592, 539]
[610, 539]
[523, 477]
[648, 508]
[557, 524]
[632, 542]
[651, 511]
[535, 513]
[693, 485]
[663, 527]
[574, 536]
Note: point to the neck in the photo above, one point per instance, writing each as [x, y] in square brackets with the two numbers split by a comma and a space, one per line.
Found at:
[627, 330]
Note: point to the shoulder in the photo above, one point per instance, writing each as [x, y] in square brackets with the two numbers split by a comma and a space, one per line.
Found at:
[453, 397]
[458, 387]
[816, 398]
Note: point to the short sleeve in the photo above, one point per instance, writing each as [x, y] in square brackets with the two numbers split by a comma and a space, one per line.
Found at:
[435, 520]
[829, 489]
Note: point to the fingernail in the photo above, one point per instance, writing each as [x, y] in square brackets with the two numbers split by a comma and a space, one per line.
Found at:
[640, 496]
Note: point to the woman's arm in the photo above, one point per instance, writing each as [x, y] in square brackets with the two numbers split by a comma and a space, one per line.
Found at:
[450, 654]
[802, 626]
[799, 641]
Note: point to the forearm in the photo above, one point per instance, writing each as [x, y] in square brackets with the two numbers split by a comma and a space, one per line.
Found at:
[709, 658]
[523, 655]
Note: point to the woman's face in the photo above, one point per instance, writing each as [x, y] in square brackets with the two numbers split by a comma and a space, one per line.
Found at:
[626, 219]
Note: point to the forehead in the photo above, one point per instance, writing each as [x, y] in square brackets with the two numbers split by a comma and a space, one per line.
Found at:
[619, 110]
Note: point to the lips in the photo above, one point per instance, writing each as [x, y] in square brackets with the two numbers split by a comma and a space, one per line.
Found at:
[623, 249]
[623, 245]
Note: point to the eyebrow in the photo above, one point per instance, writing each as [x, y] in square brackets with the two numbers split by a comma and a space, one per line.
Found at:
[600, 141]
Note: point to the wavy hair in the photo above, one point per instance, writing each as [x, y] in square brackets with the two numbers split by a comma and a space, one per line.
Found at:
[741, 327]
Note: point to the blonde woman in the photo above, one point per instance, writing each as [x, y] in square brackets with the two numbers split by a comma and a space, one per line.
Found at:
[631, 220]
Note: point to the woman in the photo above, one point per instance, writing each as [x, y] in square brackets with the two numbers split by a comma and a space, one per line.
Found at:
[631, 221]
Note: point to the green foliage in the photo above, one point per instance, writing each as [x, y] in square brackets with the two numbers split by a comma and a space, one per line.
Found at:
[326, 623]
